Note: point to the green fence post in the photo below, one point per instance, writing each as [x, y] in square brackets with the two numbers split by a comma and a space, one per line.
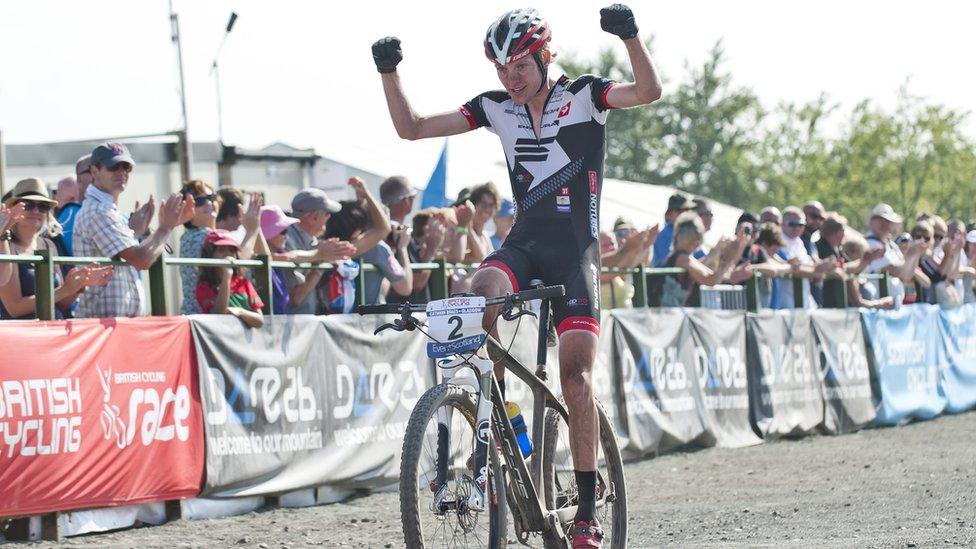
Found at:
[797, 292]
[262, 280]
[640, 287]
[752, 294]
[361, 283]
[44, 285]
[438, 280]
[883, 285]
[157, 287]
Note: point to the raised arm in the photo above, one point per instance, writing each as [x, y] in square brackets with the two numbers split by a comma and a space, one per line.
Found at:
[379, 223]
[646, 87]
[409, 124]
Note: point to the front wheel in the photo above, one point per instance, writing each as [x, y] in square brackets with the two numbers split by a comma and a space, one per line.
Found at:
[559, 479]
[436, 476]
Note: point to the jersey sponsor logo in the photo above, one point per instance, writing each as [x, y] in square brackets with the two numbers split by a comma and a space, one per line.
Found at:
[594, 207]
[562, 200]
[565, 110]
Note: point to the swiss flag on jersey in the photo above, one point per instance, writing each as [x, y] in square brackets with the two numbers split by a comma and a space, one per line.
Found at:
[565, 110]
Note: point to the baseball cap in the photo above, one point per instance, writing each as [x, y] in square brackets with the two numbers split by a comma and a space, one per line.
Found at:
[886, 212]
[395, 189]
[274, 221]
[220, 237]
[680, 201]
[507, 209]
[110, 154]
[313, 200]
[622, 223]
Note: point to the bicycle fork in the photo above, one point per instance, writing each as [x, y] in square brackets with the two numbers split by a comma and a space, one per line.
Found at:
[482, 367]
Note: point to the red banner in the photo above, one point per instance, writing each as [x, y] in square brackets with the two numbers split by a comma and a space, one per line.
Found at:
[95, 413]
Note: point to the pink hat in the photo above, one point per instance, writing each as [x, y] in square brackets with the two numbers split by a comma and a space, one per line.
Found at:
[274, 220]
[220, 237]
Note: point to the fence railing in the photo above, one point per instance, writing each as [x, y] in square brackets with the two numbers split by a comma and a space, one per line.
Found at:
[261, 267]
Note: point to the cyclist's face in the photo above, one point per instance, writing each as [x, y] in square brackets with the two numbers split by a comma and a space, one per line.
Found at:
[522, 79]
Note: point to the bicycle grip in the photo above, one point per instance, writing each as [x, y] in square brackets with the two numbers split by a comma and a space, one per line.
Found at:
[542, 293]
[378, 309]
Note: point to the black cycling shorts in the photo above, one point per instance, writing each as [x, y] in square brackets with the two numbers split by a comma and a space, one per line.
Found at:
[555, 257]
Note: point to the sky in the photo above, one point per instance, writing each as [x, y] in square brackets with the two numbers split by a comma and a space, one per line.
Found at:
[300, 72]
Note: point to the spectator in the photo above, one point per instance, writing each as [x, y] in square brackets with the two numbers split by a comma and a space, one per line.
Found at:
[274, 223]
[191, 243]
[677, 204]
[364, 224]
[68, 210]
[622, 230]
[485, 198]
[855, 247]
[503, 223]
[230, 212]
[830, 248]
[100, 230]
[689, 231]
[881, 221]
[313, 208]
[939, 268]
[955, 259]
[426, 239]
[814, 212]
[704, 210]
[969, 272]
[770, 214]
[804, 265]
[398, 194]
[615, 293]
[67, 193]
[32, 215]
[225, 290]
[243, 222]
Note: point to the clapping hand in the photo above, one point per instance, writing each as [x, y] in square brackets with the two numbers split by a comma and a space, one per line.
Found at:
[331, 250]
[465, 213]
[81, 277]
[176, 211]
[359, 186]
[10, 216]
[141, 216]
[251, 217]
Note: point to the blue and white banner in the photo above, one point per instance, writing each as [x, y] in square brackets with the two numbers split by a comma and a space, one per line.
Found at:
[906, 348]
[957, 372]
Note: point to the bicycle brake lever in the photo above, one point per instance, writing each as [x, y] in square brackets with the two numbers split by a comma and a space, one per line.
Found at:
[387, 326]
[511, 315]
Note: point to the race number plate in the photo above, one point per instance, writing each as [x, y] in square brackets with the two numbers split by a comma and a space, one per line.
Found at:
[455, 325]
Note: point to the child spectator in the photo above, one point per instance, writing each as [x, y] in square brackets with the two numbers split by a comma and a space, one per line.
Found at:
[225, 290]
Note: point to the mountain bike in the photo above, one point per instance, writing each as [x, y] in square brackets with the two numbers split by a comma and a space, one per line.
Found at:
[462, 469]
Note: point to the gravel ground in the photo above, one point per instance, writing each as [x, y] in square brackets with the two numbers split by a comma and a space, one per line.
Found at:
[913, 486]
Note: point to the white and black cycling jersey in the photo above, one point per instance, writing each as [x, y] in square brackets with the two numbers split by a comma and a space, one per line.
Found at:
[556, 176]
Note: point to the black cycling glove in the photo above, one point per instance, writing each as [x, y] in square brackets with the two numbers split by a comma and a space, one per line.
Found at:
[387, 54]
[619, 20]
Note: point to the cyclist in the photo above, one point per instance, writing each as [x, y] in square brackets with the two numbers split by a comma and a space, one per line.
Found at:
[553, 133]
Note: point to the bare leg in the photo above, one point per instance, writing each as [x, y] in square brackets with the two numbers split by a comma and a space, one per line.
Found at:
[491, 282]
[577, 352]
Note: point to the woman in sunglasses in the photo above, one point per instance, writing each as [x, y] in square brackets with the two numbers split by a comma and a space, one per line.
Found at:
[203, 223]
[30, 208]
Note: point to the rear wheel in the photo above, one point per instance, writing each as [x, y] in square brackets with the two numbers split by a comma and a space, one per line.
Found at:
[434, 513]
[559, 479]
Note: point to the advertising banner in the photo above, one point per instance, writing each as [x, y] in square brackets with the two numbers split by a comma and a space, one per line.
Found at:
[720, 372]
[784, 384]
[97, 413]
[957, 372]
[844, 372]
[305, 401]
[653, 353]
[906, 351]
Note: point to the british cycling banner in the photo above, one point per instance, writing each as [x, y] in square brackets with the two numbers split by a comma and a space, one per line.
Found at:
[784, 384]
[304, 401]
[653, 353]
[720, 372]
[844, 371]
[907, 352]
[957, 372]
[97, 413]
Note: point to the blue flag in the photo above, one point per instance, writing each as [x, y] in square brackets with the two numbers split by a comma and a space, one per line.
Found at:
[435, 194]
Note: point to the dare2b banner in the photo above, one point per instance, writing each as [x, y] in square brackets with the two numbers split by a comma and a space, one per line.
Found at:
[95, 413]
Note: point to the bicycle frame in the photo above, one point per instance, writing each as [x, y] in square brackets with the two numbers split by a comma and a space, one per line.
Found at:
[525, 476]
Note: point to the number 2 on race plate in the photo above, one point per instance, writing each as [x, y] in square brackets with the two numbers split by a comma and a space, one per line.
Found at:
[455, 325]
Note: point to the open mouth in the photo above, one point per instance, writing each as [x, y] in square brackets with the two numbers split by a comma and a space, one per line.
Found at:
[518, 90]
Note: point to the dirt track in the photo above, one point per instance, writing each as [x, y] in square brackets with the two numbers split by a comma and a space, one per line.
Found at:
[913, 486]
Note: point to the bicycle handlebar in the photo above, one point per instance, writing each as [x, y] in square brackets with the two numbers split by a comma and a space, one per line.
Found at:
[546, 292]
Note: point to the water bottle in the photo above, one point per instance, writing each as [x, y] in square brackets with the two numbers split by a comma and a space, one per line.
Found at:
[514, 413]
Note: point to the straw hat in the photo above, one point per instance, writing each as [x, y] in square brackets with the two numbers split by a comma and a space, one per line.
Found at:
[32, 189]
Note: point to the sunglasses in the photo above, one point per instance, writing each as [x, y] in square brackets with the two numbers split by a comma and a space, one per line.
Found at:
[921, 237]
[124, 166]
[31, 206]
[796, 224]
[939, 236]
[201, 200]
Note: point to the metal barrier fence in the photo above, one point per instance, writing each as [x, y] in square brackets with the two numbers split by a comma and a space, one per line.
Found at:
[745, 296]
